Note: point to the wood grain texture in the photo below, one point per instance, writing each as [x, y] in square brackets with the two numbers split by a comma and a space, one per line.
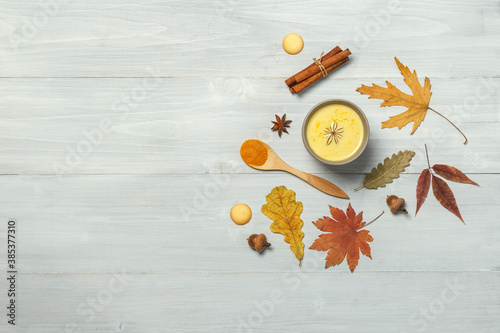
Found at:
[120, 126]
[262, 302]
[171, 223]
[198, 125]
[232, 39]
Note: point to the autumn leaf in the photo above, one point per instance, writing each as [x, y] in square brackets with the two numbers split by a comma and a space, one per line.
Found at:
[416, 104]
[423, 185]
[285, 213]
[445, 196]
[344, 237]
[385, 173]
[451, 173]
[441, 190]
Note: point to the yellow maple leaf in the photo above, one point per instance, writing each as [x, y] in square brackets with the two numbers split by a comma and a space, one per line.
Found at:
[416, 104]
[282, 208]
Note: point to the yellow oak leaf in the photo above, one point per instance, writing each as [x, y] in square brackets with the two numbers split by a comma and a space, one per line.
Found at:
[416, 104]
[282, 208]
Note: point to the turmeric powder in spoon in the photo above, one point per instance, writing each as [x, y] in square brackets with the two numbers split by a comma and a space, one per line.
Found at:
[253, 152]
[260, 156]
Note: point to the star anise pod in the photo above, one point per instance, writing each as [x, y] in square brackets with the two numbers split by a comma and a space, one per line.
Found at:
[333, 133]
[281, 124]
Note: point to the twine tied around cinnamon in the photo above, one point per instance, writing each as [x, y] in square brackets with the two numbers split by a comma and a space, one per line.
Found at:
[318, 69]
[320, 65]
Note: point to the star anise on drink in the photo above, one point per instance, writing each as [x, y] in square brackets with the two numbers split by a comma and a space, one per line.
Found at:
[333, 133]
[281, 124]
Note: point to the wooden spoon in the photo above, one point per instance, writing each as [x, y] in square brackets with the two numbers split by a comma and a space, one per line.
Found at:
[274, 162]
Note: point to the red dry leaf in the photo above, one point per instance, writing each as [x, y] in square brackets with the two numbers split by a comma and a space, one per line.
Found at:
[423, 185]
[451, 173]
[445, 196]
[441, 190]
[343, 237]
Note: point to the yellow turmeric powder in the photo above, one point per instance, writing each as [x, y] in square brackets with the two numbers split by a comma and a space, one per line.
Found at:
[253, 152]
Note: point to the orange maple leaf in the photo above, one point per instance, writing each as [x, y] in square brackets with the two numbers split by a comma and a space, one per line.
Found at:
[416, 104]
[344, 238]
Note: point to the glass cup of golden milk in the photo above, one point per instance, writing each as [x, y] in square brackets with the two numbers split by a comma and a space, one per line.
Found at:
[335, 132]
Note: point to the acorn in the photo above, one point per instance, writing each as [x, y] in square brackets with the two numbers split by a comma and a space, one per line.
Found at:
[258, 242]
[396, 204]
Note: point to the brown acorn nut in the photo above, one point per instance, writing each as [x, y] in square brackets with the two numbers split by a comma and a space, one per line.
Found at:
[396, 204]
[258, 242]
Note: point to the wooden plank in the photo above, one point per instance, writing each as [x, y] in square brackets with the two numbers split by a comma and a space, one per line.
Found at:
[233, 39]
[120, 125]
[138, 126]
[263, 302]
[171, 223]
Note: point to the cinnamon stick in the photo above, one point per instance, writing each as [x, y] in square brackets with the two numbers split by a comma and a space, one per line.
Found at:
[301, 76]
[292, 80]
[295, 89]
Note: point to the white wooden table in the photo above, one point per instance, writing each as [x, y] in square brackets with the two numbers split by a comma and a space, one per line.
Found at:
[120, 129]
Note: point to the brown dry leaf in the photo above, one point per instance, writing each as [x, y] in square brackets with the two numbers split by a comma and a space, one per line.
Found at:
[416, 104]
[282, 208]
[423, 185]
[445, 196]
[452, 173]
[345, 237]
[441, 190]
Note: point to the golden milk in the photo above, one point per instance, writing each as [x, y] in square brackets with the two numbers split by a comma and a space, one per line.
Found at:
[347, 137]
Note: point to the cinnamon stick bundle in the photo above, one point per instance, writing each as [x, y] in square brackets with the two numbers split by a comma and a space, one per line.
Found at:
[313, 72]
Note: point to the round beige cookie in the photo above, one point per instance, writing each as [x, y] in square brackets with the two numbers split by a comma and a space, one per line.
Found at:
[293, 43]
[241, 213]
